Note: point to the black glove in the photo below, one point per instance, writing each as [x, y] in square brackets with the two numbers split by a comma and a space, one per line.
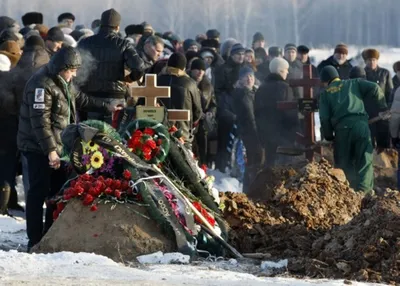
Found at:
[395, 142]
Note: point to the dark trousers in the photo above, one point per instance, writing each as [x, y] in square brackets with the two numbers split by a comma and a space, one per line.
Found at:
[254, 161]
[200, 148]
[8, 171]
[44, 182]
[224, 130]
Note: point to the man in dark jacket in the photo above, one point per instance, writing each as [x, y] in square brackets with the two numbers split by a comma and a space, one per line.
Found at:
[209, 109]
[184, 94]
[396, 77]
[111, 55]
[338, 61]
[33, 57]
[377, 74]
[54, 40]
[295, 68]
[275, 127]
[152, 50]
[49, 105]
[243, 104]
[304, 58]
[226, 77]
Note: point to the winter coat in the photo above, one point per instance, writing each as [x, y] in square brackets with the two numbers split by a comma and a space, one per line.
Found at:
[296, 72]
[208, 102]
[147, 62]
[243, 105]
[382, 77]
[226, 77]
[8, 119]
[111, 54]
[345, 102]
[275, 127]
[48, 107]
[396, 84]
[343, 70]
[184, 95]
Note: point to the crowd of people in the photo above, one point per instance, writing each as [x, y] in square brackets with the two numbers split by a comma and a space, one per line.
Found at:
[52, 77]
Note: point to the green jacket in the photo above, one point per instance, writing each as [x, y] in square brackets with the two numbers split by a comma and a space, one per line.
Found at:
[342, 104]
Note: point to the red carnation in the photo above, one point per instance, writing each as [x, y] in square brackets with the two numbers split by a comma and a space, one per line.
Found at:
[146, 150]
[149, 131]
[73, 183]
[125, 185]
[108, 191]
[116, 184]
[88, 200]
[86, 177]
[117, 194]
[159, 142]
[78, 190]
[127, 174]
[55, 214]
[60, 207]
[100, 178]
[108, 182]
[93, 208]
[151, 144]
[173, 129]
[137, 133]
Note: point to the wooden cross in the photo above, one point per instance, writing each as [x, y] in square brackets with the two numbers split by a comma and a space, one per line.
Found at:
[308, 138]
[151, 92]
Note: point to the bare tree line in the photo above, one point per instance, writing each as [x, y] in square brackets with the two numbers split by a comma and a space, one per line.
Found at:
[312, 22]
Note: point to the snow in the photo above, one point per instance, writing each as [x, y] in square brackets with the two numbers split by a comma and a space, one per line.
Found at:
[161, 258]
[224, 183]
[275, 265]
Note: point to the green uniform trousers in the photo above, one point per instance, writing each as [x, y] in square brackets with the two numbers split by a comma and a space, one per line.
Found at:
[354, 154]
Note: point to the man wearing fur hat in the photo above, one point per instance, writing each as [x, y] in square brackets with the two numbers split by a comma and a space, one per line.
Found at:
[29, 20]
[275, 127]
[66, 20]
[377, 74]
[134, 32]
[111, 54]
[339, 61]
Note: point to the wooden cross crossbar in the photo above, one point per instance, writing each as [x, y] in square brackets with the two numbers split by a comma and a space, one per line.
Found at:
[307, 82]
[151, 92]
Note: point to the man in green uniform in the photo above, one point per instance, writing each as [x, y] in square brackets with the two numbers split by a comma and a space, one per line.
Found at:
[345, 120]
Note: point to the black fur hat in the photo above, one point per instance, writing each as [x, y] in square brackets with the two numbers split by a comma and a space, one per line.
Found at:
[134, 30]
[32, 18]
[64, 16]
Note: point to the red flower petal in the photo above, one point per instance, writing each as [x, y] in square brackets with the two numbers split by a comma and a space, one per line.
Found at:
[149, 131]
[127, 175]
[93, 208]
[117, 194]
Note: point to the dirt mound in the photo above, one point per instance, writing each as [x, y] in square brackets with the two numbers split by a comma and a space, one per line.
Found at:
[121, 233]
[367, 248]
[308, 200]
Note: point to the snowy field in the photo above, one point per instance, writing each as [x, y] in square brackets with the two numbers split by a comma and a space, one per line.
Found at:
[20, 268]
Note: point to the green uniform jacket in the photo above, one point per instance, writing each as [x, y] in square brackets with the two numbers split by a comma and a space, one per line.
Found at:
[342, 103]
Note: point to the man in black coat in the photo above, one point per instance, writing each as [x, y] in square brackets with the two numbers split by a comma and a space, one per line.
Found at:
[377, 74]
[304, 58]
[49, 106]
[226, 77]
[110, 55]
[209, 109]
[184, 94]
[243, 103]
[275, 127]
[339, 61]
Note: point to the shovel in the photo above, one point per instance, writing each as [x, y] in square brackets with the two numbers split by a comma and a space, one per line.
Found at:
[296, 151]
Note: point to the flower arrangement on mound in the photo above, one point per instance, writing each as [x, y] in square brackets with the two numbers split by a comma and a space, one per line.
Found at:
[129, 170]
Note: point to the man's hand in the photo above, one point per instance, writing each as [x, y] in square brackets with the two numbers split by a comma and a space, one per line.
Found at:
[54, 160]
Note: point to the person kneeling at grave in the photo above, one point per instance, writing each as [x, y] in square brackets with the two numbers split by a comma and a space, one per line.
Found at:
[49, 105]
[275, 127]
[344, 120]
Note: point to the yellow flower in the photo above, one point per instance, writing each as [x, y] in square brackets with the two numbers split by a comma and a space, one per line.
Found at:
[89, 147]
[97, 160]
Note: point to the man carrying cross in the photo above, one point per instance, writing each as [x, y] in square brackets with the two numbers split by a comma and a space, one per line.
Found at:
[345, 121]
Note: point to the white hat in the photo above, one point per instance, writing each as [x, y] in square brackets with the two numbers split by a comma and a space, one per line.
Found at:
[277, 65]
[5, 63]
[68, 40]
[66, 30]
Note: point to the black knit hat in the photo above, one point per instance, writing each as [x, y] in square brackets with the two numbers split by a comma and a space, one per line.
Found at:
[303, 49]
[65, 58]
[258, 37]
[210, 43]
[55, 35]
[213, 34]
[328, 74]
[110, 18]
[198, 64]
[32, 18]
[33, 41]
[237, 48]
[177, 60]
[64, 16]
[190, 55]
[134, 30]
[275, 51]
[357, 72]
